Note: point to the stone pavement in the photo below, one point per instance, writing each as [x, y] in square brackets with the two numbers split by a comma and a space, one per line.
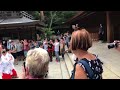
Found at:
[110, 58]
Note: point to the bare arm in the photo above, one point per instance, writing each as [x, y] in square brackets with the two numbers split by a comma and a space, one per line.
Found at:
[80, 73]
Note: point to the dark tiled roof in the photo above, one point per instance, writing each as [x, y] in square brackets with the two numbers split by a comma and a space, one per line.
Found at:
[16, 20]
[19, 21]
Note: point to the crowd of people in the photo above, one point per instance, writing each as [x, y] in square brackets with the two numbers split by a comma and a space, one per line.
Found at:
[18, 50]
[38, 54]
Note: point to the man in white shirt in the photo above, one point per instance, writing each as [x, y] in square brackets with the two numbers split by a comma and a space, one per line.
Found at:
[19, 49]
[14, 51]
[56, 45]
[45, 44]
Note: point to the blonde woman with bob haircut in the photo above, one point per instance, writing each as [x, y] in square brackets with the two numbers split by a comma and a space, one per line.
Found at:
[87, 65]
[36, 65]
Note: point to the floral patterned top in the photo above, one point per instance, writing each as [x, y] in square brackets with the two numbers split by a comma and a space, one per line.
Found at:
[95, 65]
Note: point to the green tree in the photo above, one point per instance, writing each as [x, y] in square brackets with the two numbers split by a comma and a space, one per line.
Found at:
[53, 18]
[58, 17]
[48, 29]
[35, 14]
[48, 32]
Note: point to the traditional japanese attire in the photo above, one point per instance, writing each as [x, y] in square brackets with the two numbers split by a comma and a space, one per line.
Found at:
[7, 69]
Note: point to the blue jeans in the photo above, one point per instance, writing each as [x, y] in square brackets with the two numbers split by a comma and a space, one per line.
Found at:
[57, 55]
[25, 53]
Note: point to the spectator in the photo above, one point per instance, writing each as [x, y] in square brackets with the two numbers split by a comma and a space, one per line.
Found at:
[0, 48]
[36, 44]
[26, 47]
[19, 50]
[45, 44]
[50, 49]
[62, 47]
[22, 52]
[36, 65]
[8, 44]
[101, 33]
[31, 44]
[56, 46]
[67, 39]
[80, 43]
[13, 49]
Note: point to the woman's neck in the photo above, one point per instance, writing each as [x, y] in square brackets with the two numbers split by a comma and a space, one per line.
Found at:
[81, 54]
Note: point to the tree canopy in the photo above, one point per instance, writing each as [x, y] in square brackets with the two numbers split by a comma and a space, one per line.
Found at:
[52, 18]
[59, 17]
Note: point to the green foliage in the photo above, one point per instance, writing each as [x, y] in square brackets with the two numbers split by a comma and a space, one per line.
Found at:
[53, 18]
[59, 16]
[48, 32]
[36, 15]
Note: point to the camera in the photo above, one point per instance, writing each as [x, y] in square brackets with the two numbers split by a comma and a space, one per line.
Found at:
[111, 45]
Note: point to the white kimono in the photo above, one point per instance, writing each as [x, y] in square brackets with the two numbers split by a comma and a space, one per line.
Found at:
[6, 64]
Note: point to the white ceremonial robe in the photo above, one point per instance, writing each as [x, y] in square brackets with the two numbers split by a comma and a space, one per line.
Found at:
[6, 64]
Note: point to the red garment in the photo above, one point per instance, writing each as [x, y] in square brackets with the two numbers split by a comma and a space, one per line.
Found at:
[50, 50]
[14, 73]
[53, 48]
[6, 76]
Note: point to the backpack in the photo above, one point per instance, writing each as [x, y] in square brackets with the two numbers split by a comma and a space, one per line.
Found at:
[87, 67]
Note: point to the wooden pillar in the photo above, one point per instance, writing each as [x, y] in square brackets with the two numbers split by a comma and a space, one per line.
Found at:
[23, 32]
[42, 15]
[108, 26]
[31, 34]
[35, 33]
[18, 33]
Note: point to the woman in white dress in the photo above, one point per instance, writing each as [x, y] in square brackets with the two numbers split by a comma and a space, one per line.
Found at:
[7, 69]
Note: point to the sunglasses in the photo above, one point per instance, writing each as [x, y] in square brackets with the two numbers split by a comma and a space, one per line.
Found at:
[24, 66]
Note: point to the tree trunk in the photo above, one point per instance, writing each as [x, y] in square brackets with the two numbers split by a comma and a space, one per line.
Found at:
[42, 15]
[52, 17]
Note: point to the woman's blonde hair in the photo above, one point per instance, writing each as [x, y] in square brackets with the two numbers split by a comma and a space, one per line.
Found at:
[37, 61]
[81, 40]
